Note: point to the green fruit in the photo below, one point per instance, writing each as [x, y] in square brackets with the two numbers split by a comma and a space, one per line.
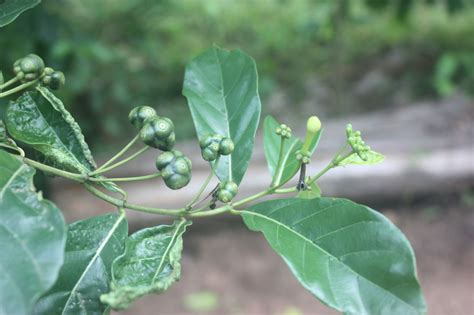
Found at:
[224, 196]
[227, 191]
[209, 154]
[28, 68]
[226, 146]
[55, 80]
[214, 145]
[140, 114]
[209, 147]
[175, 169]
[158, 132]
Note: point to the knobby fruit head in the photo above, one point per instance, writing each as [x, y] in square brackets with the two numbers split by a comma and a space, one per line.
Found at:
[53, 79]
[158, 132]
[175, 169]
[140, 114]
[227, 191]
[214, 145]
[28, 68]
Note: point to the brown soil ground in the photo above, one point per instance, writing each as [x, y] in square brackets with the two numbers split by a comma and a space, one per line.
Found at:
[247, 277]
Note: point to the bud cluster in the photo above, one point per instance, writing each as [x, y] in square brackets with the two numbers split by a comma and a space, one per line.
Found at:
[358, 145]
[283, 131]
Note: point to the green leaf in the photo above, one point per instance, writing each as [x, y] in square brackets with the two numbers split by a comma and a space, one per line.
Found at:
[3, 133]
[271, 145]
[32, 238]
[372, 158]
[349, 256]
[312, 192]
[151, 264]
[222, 92]
[92, 245]
[40, 120]
[11, 9]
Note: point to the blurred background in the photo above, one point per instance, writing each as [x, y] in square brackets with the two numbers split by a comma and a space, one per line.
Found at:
[401, 71]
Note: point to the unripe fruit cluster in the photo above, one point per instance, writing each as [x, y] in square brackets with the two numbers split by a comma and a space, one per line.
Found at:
[227, 191]
[28, 68]
[155, 131]
[31, 67]
[175, 169]
[53, 79]
[214, 145]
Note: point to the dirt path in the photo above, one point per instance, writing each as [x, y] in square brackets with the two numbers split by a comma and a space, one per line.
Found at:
[247, 277]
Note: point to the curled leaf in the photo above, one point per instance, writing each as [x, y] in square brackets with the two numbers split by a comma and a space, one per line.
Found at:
[40, 120]
[151, 263]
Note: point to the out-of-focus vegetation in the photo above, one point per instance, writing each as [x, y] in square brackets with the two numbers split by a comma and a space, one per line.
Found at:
[333, 55]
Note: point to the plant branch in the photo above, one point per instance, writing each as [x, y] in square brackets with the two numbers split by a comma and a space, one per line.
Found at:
[204, 185]
[125, 179]
[124, 204]
[120, 153]
[13, 147]
[223, 209]
[53, 170]
[19, 88]
[334, 162]
[131, 157]
[8, 83]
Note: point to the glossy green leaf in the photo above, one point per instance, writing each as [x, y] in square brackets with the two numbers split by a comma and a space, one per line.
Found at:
[349, 256]
[271, 145]
[11, 9]
[40, 120]
[222, 92]
[151, 263]
[3, 133]
[372, 158]
[313, 191]
[92, 245]
[32, 238]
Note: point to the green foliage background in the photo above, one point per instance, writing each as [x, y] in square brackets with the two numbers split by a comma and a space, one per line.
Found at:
[120, 54]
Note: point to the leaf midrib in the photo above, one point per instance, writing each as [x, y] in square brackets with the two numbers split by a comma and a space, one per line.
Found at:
[168, 249]
[94, 258]
[325, 252]
[284, 162]
[14, 175]
[224, 101]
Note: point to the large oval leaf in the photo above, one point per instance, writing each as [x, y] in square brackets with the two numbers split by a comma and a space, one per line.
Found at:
[349, 256]
[151, 264]
[11, 9]
[222, 92]
[92, 245]
[32, 238]
[271, 145]
[40, 120]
